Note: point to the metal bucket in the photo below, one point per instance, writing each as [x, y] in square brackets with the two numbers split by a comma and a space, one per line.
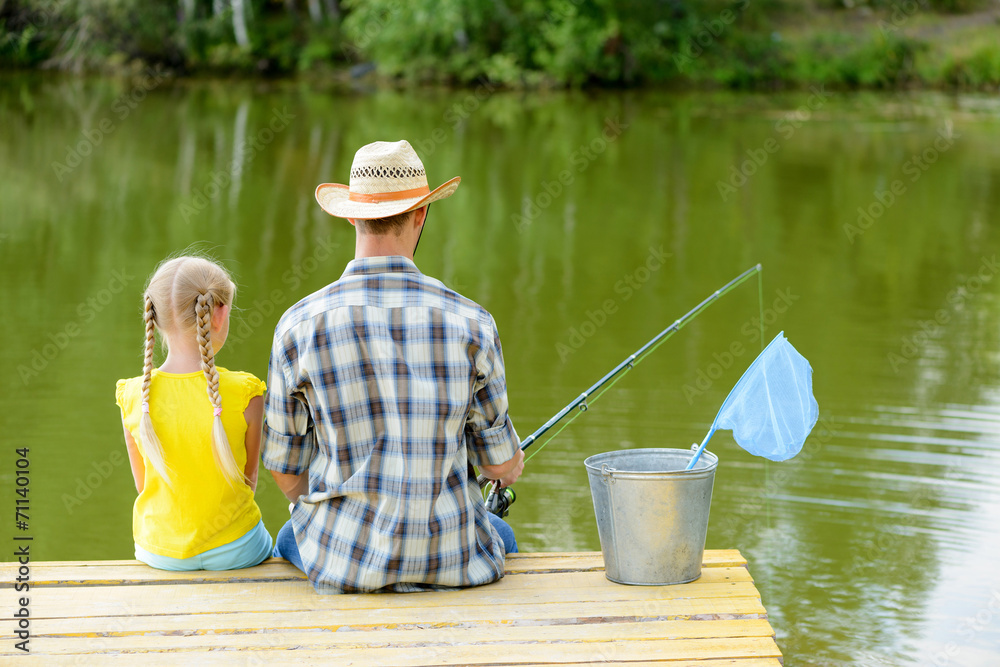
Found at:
[652, 515]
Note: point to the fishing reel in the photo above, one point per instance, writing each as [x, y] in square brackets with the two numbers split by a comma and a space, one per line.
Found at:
[499, 500]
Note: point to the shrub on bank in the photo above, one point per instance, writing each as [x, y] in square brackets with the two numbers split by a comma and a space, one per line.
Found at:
[519, 43]
[979, 70]
[876, 61]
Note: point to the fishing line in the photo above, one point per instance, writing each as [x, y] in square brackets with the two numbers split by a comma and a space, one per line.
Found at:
[644, 352]
[499, 500]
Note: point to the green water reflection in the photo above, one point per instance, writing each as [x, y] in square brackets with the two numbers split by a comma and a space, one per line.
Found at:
[873, 547]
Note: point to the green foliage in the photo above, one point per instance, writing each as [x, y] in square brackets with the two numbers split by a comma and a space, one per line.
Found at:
[760, 60]
[939, 6]
[207, 41]
[427, 39]
[15, 47]
[564, 42]
[877, 64]
[730, 43]
[323, 45]
[96, 34]
[25, 34]
[573, 45]
[980, 70]
[957, 6]
[842, 60]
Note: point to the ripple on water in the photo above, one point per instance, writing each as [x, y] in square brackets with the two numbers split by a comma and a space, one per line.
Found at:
[910, 496]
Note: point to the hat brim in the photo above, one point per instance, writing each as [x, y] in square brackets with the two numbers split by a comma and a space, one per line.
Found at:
[334, 198]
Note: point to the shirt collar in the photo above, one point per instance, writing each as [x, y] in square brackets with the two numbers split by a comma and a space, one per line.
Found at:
[382, 264]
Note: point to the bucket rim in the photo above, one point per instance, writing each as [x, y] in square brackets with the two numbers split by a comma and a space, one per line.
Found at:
[594, 461]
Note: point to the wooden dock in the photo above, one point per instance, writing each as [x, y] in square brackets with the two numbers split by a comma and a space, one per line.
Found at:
[550, 608]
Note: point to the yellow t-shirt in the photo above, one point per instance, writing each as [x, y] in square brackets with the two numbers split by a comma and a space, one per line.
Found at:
[201, 510]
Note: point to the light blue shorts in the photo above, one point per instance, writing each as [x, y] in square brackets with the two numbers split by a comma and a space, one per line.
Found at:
[246, 551]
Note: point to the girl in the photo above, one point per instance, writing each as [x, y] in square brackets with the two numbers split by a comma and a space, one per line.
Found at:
[192, 430]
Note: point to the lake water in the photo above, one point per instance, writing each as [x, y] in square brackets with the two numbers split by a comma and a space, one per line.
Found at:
[585, 224]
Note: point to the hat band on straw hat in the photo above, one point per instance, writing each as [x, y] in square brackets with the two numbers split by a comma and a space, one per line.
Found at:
[389, 196]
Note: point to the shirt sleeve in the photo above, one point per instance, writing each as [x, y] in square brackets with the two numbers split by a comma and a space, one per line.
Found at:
[252, 388]
[120, 397]
[289, 442]
[489, 433]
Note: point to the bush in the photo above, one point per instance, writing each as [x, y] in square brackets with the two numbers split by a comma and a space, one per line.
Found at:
[980, 70]
[571, 42]
[756, 60]
[957, 6]
[93, 34]
[28, 34]
[842, 60]
[575, 43]
[940, 6]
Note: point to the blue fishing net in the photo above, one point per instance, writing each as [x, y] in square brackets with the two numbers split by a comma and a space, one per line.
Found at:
[771, 410]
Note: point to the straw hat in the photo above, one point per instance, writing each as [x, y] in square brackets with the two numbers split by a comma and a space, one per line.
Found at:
[387, 178]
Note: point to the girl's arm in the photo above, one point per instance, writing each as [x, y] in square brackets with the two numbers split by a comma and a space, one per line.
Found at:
[135, 460]
[254, 415]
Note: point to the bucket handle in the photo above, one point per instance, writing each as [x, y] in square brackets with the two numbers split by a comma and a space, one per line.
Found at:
[608, 473]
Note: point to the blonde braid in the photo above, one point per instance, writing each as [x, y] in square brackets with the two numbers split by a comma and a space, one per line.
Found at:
[150, 442]
[220, 442]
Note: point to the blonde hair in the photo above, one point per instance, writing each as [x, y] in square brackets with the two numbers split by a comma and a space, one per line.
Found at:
[180, 298]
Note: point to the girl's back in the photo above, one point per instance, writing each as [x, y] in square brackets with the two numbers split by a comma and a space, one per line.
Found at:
[199, 509]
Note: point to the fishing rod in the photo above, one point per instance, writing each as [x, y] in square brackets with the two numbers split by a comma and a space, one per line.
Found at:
[499, 500]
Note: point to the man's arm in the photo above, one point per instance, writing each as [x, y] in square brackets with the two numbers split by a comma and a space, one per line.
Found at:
[288, 436]
[490, 435]
[507, 472]
[293, 486]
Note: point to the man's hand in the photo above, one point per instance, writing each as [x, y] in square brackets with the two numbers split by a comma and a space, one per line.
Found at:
[507, 472]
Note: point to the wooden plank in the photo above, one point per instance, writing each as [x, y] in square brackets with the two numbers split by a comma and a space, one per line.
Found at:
[277, 571]
[482, 636]
[732, 608]
[711, 557]
[722, 662]
[728, 557]
[507, 653]
[536, 581]
[67, 573]
[132, 600]
[166, 602]
[134, 573]
[323, 659]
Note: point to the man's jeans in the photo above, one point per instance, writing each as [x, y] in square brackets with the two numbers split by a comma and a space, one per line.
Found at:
[505, 532]
[286, 547]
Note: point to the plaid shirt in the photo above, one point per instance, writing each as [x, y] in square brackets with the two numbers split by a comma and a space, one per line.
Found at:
[385, 386]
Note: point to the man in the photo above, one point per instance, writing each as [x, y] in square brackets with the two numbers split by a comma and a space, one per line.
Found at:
[384, 389]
